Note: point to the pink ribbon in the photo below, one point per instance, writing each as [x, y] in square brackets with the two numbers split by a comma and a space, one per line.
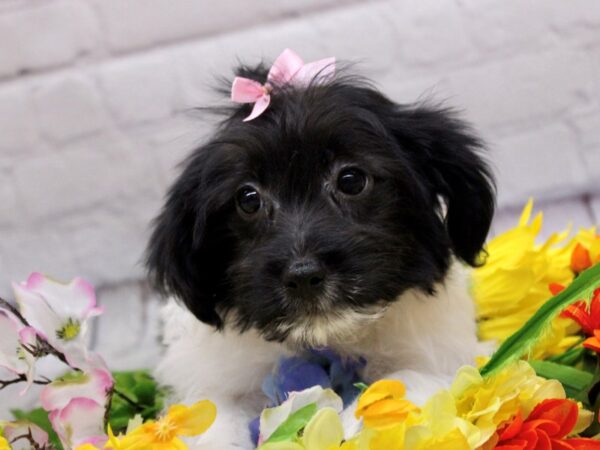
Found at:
[288, 68]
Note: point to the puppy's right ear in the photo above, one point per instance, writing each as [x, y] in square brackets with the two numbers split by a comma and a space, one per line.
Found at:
[180, 255]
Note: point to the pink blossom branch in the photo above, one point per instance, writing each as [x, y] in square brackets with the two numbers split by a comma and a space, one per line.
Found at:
[21, 378]
[43, 347]
[34, 445]
[14, 310]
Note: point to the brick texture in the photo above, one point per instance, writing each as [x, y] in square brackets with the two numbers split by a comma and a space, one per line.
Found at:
[96, 100]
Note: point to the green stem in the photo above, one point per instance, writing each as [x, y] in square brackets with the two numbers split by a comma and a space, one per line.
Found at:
[523, 339]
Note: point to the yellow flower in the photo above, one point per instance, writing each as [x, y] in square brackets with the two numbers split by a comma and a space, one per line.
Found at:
[513, 284]
[441, 428]
[383, 405]
[164, 433]
[324, 431]
[490, 402]
[84, 447]
[4, 443]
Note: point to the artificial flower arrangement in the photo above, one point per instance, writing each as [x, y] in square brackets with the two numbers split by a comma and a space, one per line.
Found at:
[540, 389]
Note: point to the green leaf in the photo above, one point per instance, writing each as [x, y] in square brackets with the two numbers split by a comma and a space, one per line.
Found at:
[362, 387]
[141, 389]
[570, 357]
[289, 429]
[523, 339]
[145, 391]
[574, 381]
[39, 417]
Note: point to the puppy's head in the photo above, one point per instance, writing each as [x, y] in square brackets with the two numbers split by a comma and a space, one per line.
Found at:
[319, 213]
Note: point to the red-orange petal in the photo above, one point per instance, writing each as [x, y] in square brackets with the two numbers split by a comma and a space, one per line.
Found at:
[580, 259]
[563, 412]
[558, 444]
[515, 444]
[578, 312]
[583, 443]
[595, 309]
[556, 288]
[592, 343]
[513, 428]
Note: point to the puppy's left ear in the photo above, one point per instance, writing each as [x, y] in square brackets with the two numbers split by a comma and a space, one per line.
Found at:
[448, 156]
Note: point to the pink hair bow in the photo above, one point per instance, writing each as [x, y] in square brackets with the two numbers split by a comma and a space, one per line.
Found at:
[288, 68]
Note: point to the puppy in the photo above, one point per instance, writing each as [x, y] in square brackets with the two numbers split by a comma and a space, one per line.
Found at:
[335, 218]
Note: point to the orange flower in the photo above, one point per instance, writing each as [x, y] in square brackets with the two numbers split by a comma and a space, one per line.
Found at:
[585, 257]
[593, 343]
[580, 259]
[383, 405]
[588, 318]
[545, 429]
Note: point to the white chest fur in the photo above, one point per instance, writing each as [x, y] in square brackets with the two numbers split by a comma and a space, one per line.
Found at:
[420, 339]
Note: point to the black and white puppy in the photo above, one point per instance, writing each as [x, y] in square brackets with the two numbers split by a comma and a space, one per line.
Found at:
[337, 218]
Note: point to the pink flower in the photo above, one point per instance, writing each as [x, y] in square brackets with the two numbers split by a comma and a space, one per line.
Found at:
[93, 385]
[14, 430]
[81, 421]
[13, 355]
[59, 313]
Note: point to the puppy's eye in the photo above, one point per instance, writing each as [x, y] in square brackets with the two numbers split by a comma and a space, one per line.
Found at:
[351, 181]
[248, 199]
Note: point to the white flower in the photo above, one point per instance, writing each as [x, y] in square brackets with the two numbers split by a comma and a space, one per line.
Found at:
[271, 418]
[13, 355]
[59, 313]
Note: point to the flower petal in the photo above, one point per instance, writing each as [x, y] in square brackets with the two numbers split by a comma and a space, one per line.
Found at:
[193, 420]
[378, 391]
[592, 343]
[595, 309]
[562, 412]
[583, 443]
[93, 385]
[11, 356]
[271, 418]
[74, 299]
[18, 428]
[513, 428]
[580, 258]
[578, 312]
[80, 422]
[324, 430]
[59, 312]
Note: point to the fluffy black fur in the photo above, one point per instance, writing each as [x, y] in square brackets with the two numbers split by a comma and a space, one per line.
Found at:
[429, 195]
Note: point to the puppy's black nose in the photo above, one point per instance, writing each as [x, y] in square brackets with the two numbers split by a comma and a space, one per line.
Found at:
[304, 278]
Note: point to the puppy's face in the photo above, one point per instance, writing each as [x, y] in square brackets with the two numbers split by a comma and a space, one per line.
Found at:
[316, 215]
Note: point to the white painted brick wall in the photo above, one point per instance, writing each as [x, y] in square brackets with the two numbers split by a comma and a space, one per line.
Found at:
[95, 99]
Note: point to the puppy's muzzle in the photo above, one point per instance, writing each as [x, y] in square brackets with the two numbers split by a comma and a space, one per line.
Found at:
[304, 278]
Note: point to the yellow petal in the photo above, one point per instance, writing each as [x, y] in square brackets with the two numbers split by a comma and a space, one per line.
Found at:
[526, 214]
[584, 420]
[595, 250]
[387, 413]
[454, 440]
[175, 444]
[380, 390]
[324, 431]
[193, 420]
